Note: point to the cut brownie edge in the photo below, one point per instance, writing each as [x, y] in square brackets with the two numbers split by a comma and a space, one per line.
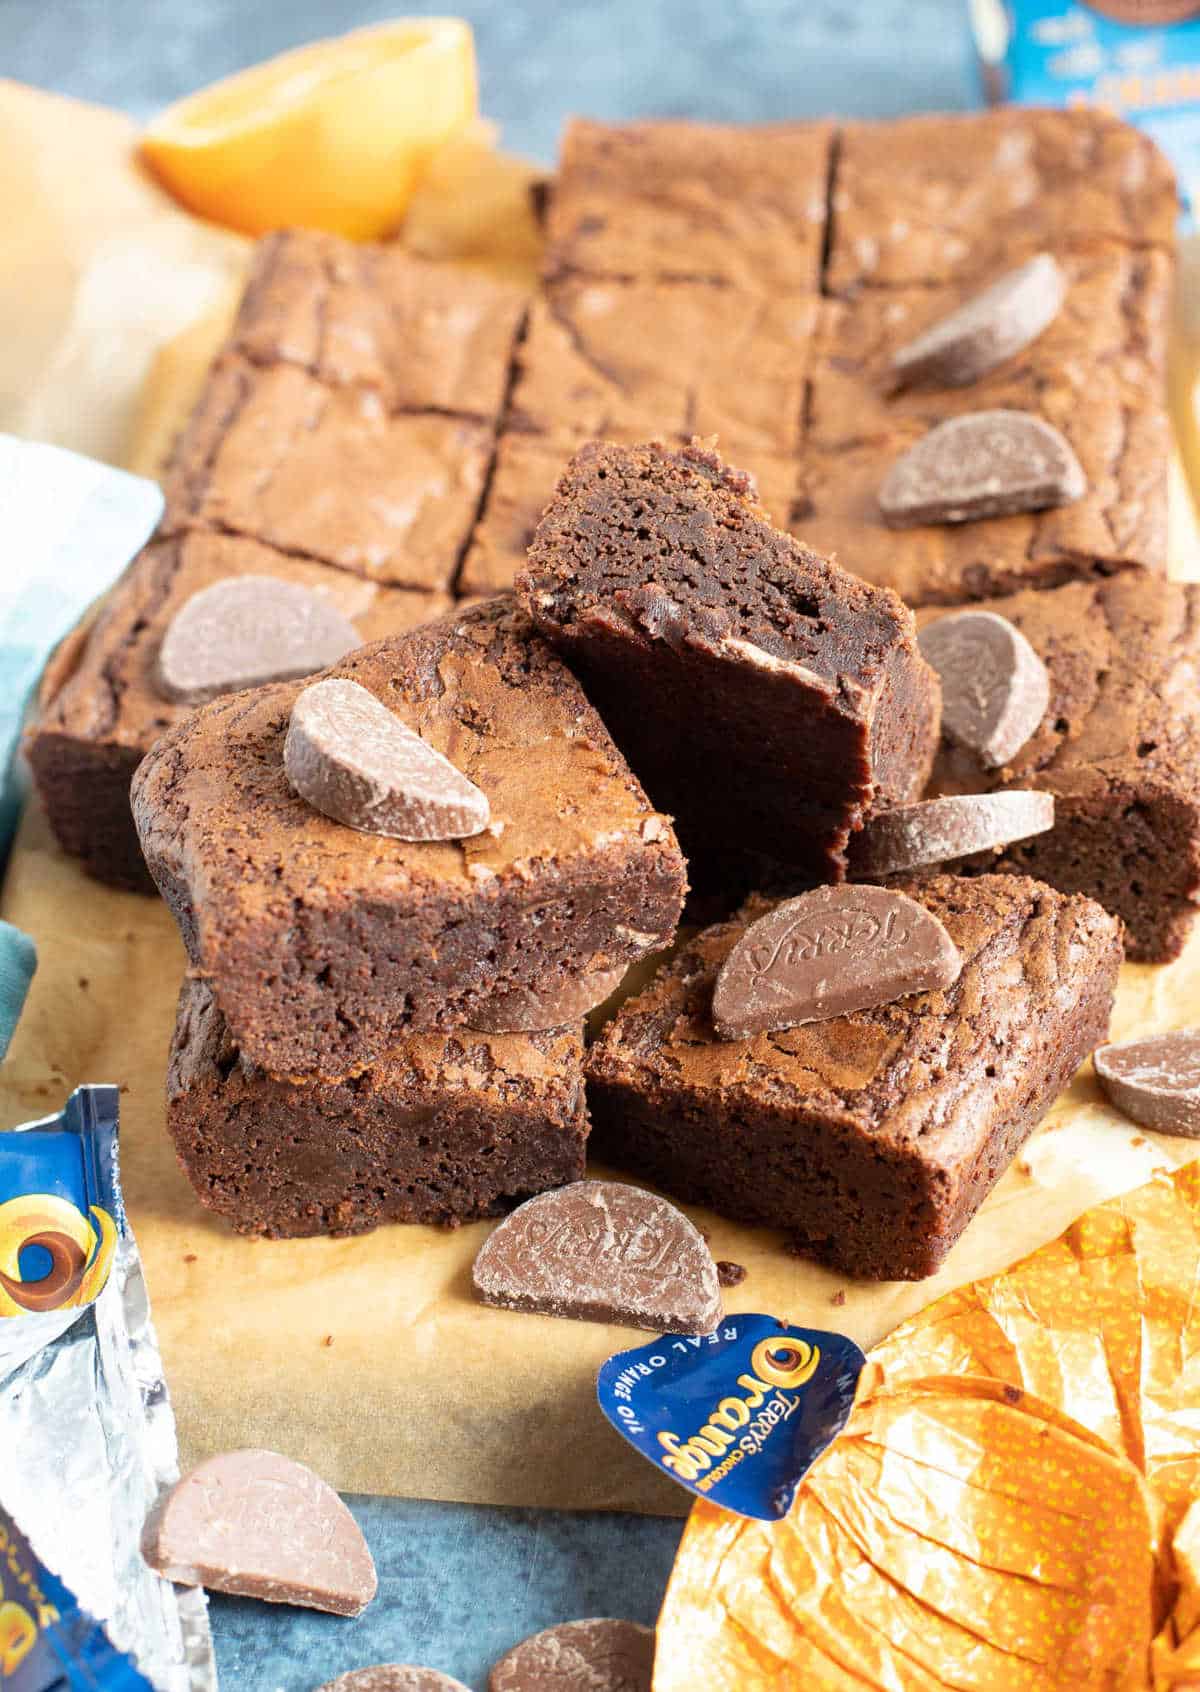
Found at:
[84, 789]
[694, 623]
[870, 1140]
[440, 1131]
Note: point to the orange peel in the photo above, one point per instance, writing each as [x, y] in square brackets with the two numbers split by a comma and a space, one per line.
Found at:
[334, 135]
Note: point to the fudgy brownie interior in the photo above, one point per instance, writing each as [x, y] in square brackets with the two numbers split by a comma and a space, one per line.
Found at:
[713, 642]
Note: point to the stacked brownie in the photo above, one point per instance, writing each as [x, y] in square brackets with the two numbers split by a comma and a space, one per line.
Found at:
[336, 1062]
[341, 444]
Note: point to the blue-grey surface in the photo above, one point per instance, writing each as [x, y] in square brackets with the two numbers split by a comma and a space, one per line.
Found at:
[459, 1585]
[540, 59]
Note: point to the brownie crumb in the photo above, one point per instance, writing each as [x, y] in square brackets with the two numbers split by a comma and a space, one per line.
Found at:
[1013, 1395]
[730, 1274]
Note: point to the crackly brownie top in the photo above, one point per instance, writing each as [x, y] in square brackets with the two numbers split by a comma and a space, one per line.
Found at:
[510, 1069]
[628, 519]
[329, 473]
[692, 201]
[1124, 660]
[430, 337]
[928, 199]
[101, 684]
[213, 803]
[629, 361]
[918, 1071]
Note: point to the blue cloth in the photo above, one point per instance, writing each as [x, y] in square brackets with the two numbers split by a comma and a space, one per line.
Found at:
[18, 960]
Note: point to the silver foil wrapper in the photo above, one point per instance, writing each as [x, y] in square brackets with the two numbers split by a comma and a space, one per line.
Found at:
[87, 1446]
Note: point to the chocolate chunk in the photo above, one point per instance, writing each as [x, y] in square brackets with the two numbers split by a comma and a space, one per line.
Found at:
[600, 1251]
[247, 630]
[828, 953]
[938, 830]
[1156, 1080]
[258, 1525]
[357, 763]
[987, 329]
[393, 1677]
[730, 1274]
[995, 687]
[987, 464]
[580, 1656]
[525, 1011]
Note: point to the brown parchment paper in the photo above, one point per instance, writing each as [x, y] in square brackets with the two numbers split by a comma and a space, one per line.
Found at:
[366, 1358]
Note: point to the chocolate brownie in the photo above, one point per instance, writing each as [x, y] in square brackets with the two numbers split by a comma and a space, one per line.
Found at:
[629, 361]
[329, 473]
[1097, 373]
[428, 337]
[764, 696]
[731, 203]
[323, 945]
[873, 1138]
[101, 709]
[1119, 748]
[445, 1128]
[947, 198]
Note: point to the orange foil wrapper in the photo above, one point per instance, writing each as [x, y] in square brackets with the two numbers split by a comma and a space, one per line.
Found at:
[1014, 1503]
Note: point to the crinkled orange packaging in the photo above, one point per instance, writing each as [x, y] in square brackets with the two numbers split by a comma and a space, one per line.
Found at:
[1013, 1505]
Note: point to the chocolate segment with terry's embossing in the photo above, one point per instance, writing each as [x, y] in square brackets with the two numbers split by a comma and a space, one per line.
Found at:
[248, 630]
[357, 762]
[988, 328]
[937, 831]
[600, 1251]
[829, 953]
[995, 687]
[261, 1526]
[1155, 1081]
[597, 1655]
[986, 464]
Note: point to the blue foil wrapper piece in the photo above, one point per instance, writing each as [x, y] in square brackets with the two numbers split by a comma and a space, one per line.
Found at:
[87, 1436]
[47, 1643]
[738, 1416]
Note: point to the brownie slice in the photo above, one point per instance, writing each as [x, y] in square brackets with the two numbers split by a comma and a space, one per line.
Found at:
[443, 1129]
[629, 361]
[100, 709]
[945, 198]
[1098, 373]
[1119, 747]
[871, 1139]
[426, 336]
[323, 945]
[765, 697]
[329, 473]
[732, 203]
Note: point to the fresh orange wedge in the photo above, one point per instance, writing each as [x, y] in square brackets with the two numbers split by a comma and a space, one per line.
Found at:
[332, 136]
